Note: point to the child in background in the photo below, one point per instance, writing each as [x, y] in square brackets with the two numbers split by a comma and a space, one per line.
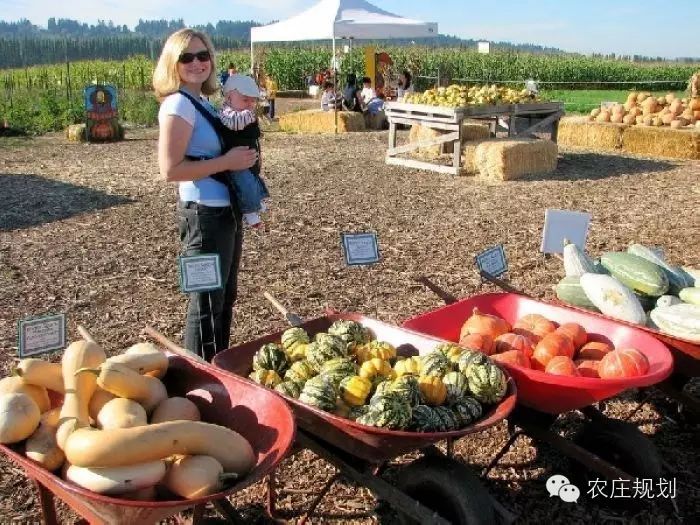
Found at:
[367, 92]
[241, 94]
[329, 99]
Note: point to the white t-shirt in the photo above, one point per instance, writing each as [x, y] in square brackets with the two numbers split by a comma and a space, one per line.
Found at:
[367, 94]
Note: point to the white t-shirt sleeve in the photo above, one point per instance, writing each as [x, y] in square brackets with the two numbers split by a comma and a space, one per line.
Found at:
[178, 105]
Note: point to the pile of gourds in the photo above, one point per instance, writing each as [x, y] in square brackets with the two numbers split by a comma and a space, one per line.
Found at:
[346, 371]
[117, 432]
[644, 109]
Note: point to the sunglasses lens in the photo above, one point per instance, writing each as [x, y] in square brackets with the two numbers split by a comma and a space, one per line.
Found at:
[203, 56]
[187, 58]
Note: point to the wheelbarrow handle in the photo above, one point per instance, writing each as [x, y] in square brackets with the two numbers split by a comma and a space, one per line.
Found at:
[167, 343]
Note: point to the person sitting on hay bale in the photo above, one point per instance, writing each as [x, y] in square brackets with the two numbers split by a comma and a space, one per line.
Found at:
[352, 101]
[330, 99]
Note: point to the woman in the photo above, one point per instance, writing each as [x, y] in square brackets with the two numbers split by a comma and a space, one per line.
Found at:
[352, 99]
[207, 221]
[405, 85]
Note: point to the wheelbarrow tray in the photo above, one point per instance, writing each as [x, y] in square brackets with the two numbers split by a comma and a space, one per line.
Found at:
[547, 392]
[249, 409]
[371, 444]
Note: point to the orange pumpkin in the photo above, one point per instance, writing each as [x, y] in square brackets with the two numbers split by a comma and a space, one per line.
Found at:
[481, 342]
[512, 357]
[587, 367]
[481, 323]
[576, 332]
[534, 327]
[511, 341]
[551, 345]
[594, 350]
[627, 362]
[562, 366]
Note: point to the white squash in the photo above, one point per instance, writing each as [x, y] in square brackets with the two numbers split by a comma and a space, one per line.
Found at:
[19, 417]
[576, 261]
[613, 298]
[121, 413]
[175, 409]
[117, 480]
[15, 385]
[679, 320]
[144, 358]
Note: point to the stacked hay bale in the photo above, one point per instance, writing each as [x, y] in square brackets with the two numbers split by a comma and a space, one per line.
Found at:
[319, 121]
[471, 131]
[76, 133]
[580, 132]
[662, 142]
[509, 159]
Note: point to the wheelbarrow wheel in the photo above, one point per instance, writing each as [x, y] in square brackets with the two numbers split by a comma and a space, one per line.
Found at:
[448, 488]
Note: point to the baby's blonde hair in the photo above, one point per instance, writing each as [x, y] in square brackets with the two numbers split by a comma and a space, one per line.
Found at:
[166, 79]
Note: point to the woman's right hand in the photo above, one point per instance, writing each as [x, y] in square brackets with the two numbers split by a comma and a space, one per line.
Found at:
[240, 158]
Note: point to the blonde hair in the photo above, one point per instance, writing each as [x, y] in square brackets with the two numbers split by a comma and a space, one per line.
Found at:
[166, 79]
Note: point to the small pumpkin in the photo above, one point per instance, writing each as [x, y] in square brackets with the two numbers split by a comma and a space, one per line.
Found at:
[594, 350]
[587, 367]
[550, 346]
[626, 362]
[484, 343]
[408, 366]
[562, 366]
[355, 389]
[481, 323]
[433, 390]
[534, 326]
[513, 357]
[576, 332]
[513, 341]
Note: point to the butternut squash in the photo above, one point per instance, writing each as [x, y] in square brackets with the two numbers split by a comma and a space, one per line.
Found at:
[117, 480]
[40, 373]
[41, 447]
[122, 381]
[51, 417]
[175, 409]
[143, 358]
[195, 476]
[19, 417]
[97, 401]
[78, 388]
[87, 447]
[15, 385]
[121, 413]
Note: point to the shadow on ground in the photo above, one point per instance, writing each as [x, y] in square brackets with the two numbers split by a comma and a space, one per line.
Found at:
[30, 200]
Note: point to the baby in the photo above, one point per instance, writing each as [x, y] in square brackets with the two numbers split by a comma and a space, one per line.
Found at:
[237, 113]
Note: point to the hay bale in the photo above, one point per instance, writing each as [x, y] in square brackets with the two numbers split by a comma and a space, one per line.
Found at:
[470, 132]
[662, 142]
[508, 159]
[582, 133]
[376, 121]
[319, 121]
[77, 133]
[469, 166]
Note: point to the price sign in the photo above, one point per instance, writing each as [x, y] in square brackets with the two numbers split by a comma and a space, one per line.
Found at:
[200, 273]
[492, 261]
[563, 224]
[360, 248]
[39, 335]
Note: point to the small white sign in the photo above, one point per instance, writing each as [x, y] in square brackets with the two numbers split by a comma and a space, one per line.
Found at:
[360, 248]
[492, 261]
[563, 224]
[484, 47]
[200, 273]
[39, 335]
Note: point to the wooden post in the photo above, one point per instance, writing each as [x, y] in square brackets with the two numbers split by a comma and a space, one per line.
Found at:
[457, 152]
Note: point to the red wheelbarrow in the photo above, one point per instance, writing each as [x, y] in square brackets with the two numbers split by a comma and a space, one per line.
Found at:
[360, 452]
[251, 410]
[613, 448]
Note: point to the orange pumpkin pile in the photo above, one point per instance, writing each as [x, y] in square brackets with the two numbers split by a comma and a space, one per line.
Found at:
[538, 343]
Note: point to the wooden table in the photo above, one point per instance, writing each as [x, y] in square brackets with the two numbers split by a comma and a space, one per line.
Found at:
[539, 116]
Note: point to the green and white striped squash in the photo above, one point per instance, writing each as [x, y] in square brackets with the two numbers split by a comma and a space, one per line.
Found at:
[448, 419]
[635, 272]
[468, 410]
[355, 412]
[570, 291]
[677, 278]
[349, 331]
[294, 336]
[334, 342]
[318, 352]
[407, 387]
[271, 356]
[299, 372]
[576, 261]
[337, 369]
[289, 388]
[425, 419]
[613, 298]
[457, 386]
[435, 364]
[319, 392]
[471, 358]
[487, 383]
[389, 411]
[679, 320]
[381, 388]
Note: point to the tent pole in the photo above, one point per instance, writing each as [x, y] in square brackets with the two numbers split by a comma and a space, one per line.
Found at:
[252, 58]
[335, 85]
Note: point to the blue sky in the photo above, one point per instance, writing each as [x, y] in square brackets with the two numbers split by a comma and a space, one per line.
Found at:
[655, 28]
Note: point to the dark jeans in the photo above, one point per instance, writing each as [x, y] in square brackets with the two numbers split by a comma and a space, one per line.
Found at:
[206, 229]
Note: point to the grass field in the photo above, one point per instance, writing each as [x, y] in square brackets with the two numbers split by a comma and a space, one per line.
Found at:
[584, 100]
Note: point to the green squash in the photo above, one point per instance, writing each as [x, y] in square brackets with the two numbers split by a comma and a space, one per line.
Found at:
[468, 410]
[435, 364]
[469, 359]
[448, 419]
[337, 369]
[356, 412]
[407, 387]
[289, 388]
[319, 392]
[318, 352]
[352, 332]
[487, 382]
[636, 272]
[293, 336]
[271, 356]
[299, 372]
[337, 344]
[425, 419]
[457, 386]
[389, 411]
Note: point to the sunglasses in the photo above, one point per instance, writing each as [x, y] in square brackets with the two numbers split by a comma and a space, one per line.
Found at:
[187, 58]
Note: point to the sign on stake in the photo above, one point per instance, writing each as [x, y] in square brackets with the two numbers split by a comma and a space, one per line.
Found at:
[563, 224]
[40, 335]
[360, 248]
[492, 261]
[200, 273]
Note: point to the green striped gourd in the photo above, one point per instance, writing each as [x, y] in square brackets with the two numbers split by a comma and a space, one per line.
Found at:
[337, 369]
[352, 332]
[318, 352]
[268, 378]
[576, 261]
[407, 387]
[289, 388]
[389, 411]
[677, 278]
[679, 320]
[452, 351]
[408, 366]
[425, 419]
[380, 389]
[333, 341]
[613, 298]
[457, 386]
[356, 412]
[319, 392]
[354, 390]
[690, 295]
[299, 372]
[381, 350]
[468, 410]
[636, 272]
[448, 419]
[570, 291]
[294, 343]
[435, 364]
[487, 382]
[471, 358]
[271, 356]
